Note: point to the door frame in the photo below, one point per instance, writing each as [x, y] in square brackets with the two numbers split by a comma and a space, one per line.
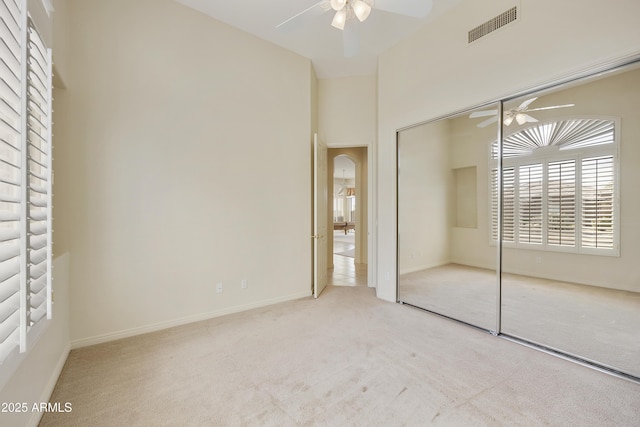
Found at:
[372, 198]
[320, 231]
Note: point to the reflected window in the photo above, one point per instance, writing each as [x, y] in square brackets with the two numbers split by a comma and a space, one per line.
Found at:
[559, 187]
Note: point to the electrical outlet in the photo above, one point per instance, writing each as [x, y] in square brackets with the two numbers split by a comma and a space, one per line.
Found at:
[219, 287]
[244, 284]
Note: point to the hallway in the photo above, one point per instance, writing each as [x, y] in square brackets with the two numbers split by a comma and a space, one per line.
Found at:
[345, 272]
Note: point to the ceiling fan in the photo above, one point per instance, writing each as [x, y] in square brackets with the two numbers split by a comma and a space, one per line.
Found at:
[519, 114]
[349, 12]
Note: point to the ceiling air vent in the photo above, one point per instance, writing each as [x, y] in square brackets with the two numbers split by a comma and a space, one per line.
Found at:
[493, 24]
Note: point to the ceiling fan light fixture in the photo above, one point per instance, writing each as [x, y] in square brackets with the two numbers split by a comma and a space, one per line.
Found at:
[508, 120]
[361, 9]
[521, 119]
[338, 4]
[339, 19]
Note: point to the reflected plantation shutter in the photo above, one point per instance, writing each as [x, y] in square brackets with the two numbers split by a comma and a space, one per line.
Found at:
[561, 203]
[598, 202]
[508, 205]
[494, 204]
[559, 187]
[25, 179]
[530, 204]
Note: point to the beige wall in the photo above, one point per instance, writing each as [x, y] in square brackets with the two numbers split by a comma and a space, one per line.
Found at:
[61, 42]
[425, 197]
[469, 148]
[434, 72]
[347, 111]
[184, 163]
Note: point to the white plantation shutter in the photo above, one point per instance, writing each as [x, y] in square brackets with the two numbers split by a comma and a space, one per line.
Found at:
[25, 179]
[39, 182]
[561, 203]
[598, 202]
[11, 152]
[530, 203]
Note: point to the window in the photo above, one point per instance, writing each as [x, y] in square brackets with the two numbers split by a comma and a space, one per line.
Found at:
[559, 187]
[25, 180]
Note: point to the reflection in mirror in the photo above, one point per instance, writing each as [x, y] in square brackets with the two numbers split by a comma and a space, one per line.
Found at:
[446, 260]
[571, 219]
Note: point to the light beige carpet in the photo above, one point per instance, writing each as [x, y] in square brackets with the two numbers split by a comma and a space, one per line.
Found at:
[344, 359]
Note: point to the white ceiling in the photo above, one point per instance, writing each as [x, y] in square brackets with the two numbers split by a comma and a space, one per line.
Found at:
[315, 38]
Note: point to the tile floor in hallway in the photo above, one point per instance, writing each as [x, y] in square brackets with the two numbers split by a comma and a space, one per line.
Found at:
[345, 271]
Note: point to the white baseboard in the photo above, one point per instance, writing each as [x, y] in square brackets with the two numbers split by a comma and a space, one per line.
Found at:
[99, 339]
[425, 267]
[51, 384]
[474, 264]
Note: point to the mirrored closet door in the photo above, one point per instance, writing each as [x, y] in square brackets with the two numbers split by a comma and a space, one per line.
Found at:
[547, 183]
[571, 236]
[446, 261]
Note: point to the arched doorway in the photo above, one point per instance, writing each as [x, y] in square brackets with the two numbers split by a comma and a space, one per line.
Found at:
[347, 187]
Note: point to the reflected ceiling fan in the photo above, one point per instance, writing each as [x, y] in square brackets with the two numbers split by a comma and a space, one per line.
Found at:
[519, 114]
[348, 13]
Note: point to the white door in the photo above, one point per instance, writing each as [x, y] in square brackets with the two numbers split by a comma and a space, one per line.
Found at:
[320, 207]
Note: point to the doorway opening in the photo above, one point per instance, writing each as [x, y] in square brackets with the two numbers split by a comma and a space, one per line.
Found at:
[347, 185]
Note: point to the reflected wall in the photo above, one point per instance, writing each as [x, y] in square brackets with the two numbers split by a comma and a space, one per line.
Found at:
[445, 258]
[554, 197]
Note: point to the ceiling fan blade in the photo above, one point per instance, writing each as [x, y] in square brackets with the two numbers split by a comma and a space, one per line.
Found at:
[488, 122]
[350, 38]
[526, 103]
[413, 8]
[483, 113]
[552, 107]
[303, 18]
[525, 118]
